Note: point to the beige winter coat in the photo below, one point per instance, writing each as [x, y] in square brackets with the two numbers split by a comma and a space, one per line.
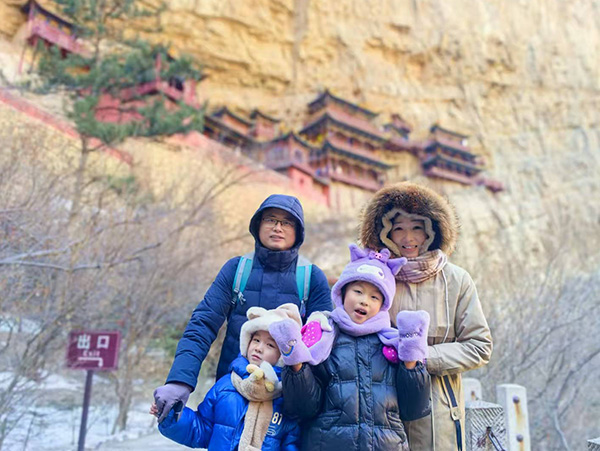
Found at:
[468, 342]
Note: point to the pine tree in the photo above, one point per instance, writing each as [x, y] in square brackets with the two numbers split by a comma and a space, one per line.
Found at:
[112, 65]
[114, 62]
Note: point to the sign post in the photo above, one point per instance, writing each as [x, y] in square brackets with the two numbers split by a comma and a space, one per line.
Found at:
[91, 351]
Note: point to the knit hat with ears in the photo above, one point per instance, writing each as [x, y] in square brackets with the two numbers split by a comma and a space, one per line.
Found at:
[260, 319]
[370, 266]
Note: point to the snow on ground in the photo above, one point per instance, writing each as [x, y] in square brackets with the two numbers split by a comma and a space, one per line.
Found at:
[53, 424]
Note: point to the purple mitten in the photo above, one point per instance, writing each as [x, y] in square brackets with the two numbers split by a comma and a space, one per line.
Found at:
[171, 395]
[412, 334]
[288, 337]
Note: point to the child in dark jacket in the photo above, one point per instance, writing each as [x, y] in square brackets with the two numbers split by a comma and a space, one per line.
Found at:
[353, 378]
[244, 409]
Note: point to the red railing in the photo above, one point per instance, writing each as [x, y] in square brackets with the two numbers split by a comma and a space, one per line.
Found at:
[53, 35]
[161, 86]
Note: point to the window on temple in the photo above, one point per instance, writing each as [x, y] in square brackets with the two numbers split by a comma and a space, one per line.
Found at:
[298, 156]
[177, 82]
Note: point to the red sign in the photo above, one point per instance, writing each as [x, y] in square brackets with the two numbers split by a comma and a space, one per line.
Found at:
[93, 350]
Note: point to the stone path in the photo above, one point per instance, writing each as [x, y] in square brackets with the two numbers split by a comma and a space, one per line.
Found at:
[152, 442]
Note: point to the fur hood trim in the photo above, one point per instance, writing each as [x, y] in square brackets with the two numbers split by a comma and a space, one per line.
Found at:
[413, 199]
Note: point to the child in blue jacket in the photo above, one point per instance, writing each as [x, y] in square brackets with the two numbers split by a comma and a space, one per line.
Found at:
[244, 409]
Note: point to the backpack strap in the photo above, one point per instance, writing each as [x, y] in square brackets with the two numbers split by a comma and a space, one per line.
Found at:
[242, 273]
[303, 273]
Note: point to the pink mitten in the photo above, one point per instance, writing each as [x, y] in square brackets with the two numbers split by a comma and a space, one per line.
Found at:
[390, 353]
[311, 333]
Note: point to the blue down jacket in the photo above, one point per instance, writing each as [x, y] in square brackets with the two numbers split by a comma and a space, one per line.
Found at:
[356, 399]
[219, 421]
[272, 282]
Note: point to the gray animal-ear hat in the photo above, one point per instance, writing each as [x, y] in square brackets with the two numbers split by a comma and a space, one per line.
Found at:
[260, 319]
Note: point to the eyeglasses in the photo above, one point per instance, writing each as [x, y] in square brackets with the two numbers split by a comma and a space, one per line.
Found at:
[285, 224]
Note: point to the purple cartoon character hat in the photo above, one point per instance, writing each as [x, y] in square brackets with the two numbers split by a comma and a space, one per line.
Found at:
[370, 266]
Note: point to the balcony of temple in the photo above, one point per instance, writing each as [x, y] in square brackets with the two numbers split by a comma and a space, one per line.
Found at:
[446, 155]
[352, 173]
[123, 108]
[228, 135]
[283, 151]
[46, 26]
[292, 156]
[440, 165]
[450, 144]
[330, 113]
[450, 140]
[264, 127]
[361, 170]
[232, 120]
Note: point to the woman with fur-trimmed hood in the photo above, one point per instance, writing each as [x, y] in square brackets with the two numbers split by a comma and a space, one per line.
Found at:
[415, 222]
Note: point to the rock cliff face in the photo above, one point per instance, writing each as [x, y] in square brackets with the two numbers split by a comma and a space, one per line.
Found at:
[522, 78]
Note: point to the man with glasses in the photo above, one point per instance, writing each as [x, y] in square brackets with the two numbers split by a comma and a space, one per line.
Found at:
[278, 231]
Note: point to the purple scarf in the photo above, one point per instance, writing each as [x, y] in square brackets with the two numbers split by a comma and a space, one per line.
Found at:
[378, 324]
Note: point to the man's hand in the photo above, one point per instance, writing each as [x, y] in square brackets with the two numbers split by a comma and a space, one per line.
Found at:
[167, 396]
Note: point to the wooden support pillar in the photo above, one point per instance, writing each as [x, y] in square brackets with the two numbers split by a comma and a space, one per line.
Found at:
[484, 426]
[513, 399]
[594, 444]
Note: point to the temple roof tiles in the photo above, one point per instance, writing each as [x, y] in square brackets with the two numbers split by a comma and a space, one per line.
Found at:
[224, 111]
[435, 158]
[328, 95]
[215, 121]
[436, 127]
[293, 136]
[361, 126]
[449, 144]
[256, 112]
[49, 8]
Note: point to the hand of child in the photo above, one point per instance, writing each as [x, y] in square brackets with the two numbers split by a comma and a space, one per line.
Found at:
[153, 410]
[412, 334]
[288, 337]
[322, 318]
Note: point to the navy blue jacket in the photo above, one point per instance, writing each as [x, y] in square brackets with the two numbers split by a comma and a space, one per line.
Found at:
[272, 282]
[219, 421]
[356, 399]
